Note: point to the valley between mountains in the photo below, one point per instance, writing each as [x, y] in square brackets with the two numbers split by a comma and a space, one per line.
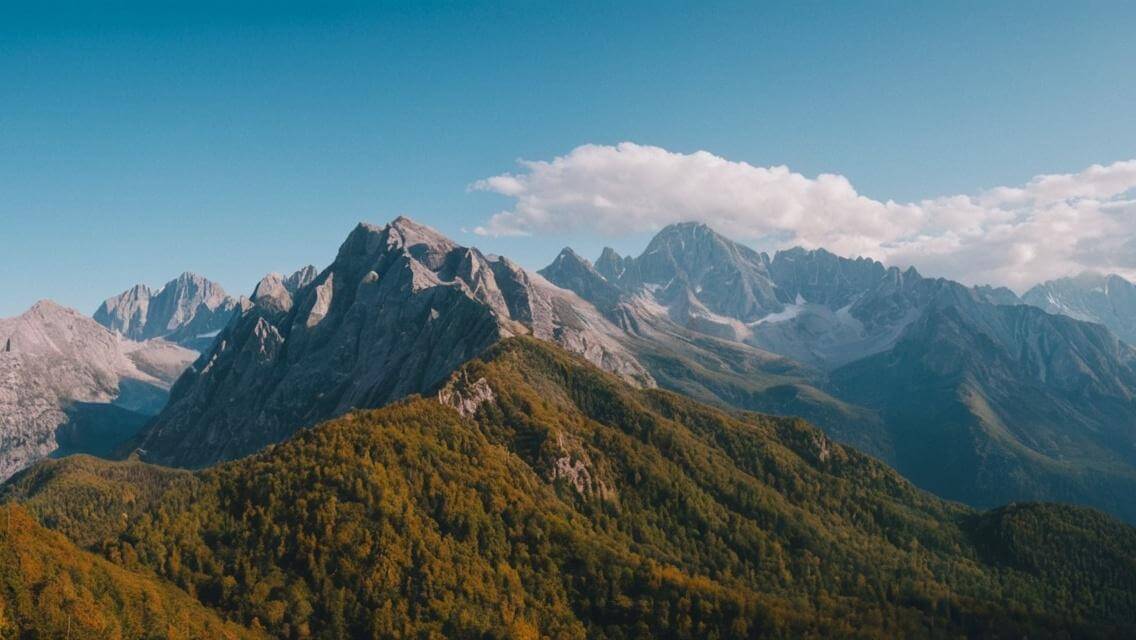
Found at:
[700, 441]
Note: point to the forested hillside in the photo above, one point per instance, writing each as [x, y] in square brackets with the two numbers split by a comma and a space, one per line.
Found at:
[544, 497]
[51, 589]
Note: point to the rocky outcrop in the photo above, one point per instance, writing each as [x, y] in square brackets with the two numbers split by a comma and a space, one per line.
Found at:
[57, 362]
[396, 312]
[301, 278]
[188, 310]
[465, 396]
[572, 463]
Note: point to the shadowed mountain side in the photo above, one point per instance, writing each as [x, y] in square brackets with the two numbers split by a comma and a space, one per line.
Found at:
[976, 418]
[400, 307]
[97, 429]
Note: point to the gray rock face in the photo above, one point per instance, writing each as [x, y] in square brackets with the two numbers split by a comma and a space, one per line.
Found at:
[997, 295]
[572, 272]
[396, 312]
[610, 264]
[465, 396]
[817, 308]
[275, 291]
[301, 278]
[1091, 297]
[188, 310]
[57, 362]
[700, 274]
[822, 277]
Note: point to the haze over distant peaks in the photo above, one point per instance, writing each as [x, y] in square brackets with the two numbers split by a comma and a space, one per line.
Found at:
[965, 390]
[1105, 299]
[188, 310]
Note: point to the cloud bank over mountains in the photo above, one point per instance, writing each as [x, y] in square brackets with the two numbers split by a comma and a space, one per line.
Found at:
[1052, 226]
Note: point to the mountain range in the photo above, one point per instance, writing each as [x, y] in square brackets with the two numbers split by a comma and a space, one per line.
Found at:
[395, 313]
[535, 495]
[969, 393]
[972, 398]
[425, 440]
[1105, 299]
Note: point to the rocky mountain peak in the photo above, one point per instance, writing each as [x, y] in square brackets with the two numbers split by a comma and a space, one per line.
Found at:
[425, 243]
[49, 330]
[691, 261]
[571, 271]
[996, 295]
[189, 279]
[1092, 297]
[568, 254]
[189, 289]
[271, 293]
[818, 254]
[820, 276]
[275, 292]
[300, 278]
[610, 264]
[681, 241]
[48, 327]
[189, 310]
[47, 307]
[686, 230]
[398, 310]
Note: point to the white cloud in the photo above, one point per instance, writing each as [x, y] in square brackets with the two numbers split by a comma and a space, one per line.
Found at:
[1052, 226]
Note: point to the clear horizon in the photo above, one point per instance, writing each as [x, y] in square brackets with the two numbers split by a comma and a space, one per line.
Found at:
[138, 142]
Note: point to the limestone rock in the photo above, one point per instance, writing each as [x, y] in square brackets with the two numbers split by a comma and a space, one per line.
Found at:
[58, 362]
[188, 310]
[396, 312]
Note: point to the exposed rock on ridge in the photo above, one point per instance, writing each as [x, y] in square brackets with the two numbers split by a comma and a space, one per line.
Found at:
[396, 312]
[465, 396]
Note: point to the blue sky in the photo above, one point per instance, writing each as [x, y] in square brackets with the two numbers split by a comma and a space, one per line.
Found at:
[136, 143]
